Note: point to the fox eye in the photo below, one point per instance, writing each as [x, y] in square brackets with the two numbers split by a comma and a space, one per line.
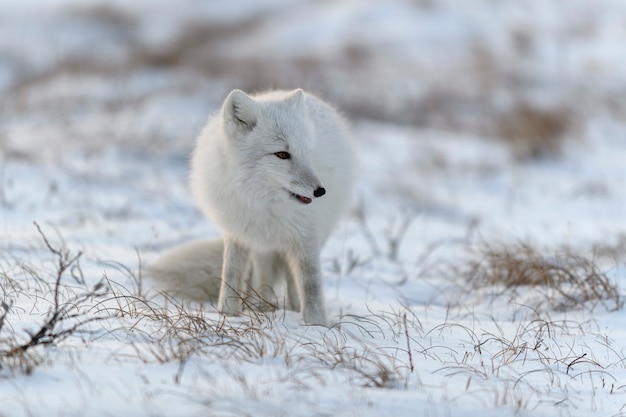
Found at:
[283, 155]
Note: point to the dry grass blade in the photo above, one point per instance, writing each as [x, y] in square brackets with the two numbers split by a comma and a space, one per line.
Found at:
[572, 280]
[3, 315]
[68, 315]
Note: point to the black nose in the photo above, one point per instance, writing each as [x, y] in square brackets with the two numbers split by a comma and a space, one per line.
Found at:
[320, 191]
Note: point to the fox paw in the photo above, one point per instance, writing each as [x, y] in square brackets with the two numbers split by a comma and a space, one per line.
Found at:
[229, 307]
[314, 316]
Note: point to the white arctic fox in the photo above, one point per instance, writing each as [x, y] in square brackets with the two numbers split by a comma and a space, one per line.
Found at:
[275, 172]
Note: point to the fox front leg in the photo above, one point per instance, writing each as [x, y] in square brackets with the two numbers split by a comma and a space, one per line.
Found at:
[292, 292]
[234, 270]
[305, 266]
[264, 279]
[283, 270]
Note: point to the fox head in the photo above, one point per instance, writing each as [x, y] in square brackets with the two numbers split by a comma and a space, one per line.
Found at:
[271, 143]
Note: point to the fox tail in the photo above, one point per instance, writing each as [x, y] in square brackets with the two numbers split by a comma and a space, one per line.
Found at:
[192, 270]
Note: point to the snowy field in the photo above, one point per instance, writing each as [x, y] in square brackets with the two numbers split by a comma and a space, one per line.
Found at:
[481, 271]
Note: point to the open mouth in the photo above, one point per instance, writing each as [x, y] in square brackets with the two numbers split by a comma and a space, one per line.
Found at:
[301, 198]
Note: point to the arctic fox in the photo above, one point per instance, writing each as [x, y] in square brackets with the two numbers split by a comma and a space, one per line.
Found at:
[275, 172]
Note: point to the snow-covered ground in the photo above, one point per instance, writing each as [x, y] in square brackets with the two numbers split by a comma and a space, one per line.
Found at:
[482, 128]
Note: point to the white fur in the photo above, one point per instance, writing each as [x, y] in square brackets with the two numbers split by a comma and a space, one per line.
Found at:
[249, 192]
[193, 269]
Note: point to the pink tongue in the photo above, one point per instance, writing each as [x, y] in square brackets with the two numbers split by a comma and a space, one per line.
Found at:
[305, 200]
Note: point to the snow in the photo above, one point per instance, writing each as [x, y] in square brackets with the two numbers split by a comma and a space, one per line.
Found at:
[100, 104]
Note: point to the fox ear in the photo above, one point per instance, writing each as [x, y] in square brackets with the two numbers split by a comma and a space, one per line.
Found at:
[297, 98]
[240, 111]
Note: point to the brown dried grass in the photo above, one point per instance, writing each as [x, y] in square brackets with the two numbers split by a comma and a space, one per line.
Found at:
[534, 132]
[564, 279]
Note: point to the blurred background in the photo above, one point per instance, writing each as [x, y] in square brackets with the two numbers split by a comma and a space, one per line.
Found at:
[478, 123]
[83, 75]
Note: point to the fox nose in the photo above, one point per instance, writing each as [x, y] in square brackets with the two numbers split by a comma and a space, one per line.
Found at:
[319, 191]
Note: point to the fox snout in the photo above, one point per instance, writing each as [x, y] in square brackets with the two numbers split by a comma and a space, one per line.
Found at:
[306, 185]
[318, 192]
